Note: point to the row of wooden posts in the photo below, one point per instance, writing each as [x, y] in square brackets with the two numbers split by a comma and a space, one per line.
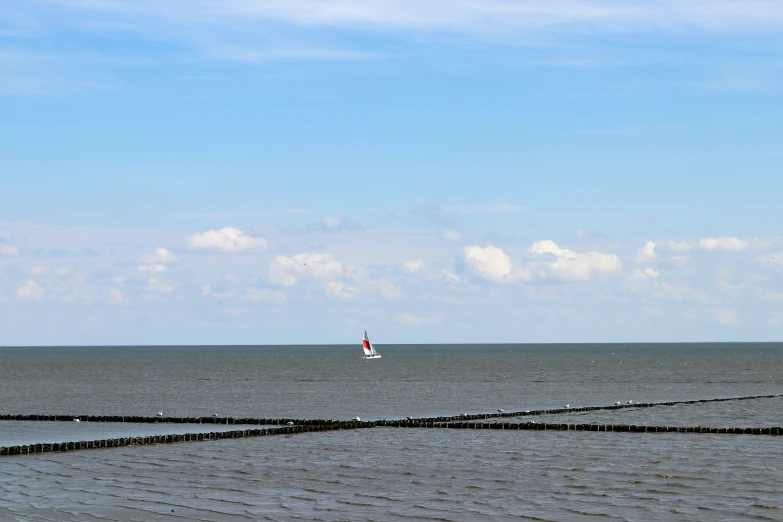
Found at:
[293, 426]
[308, 422]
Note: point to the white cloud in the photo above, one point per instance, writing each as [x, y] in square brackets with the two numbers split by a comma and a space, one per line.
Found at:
[155, 263]
[30, 290]
[260, 295]
[409, 318]
[227, 239]
[723, 244]
[160, 255]
[451, 277]
[152, 269]
[681, 247]
[451, 235]
[286, 271]
[333, 224]
[158, 286]
[115, 296]
[573, 266]
[498, 16]
[413, 266]
[389, 290]
[772, 296]
[489, 263]
[646, 253]
[9, 250]
[341, 290]
[647, 273]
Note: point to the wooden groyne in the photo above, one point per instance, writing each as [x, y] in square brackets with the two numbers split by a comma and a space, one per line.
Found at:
[186, 437]
[171, 420]
[544, 426]
[558, 411]
[317, 422]
[295, 426]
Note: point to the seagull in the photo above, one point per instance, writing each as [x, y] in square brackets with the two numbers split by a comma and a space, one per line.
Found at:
[290, 423]
[76, 420]
[567, 405]
[527, 411]
[160, 414]
[214, 414]
[630, 402]
[357, 419]
[500, 410]
[464, 414]
[409, 418]
[617, 404]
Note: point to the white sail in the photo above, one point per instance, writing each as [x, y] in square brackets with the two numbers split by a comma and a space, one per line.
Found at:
[369, 350]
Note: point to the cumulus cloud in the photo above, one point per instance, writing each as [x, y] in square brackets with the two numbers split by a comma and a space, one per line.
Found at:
[160, 255]
[680, 247]
[451, 277]
[160, 286]
[646, 253]
[341, 290]
[115, 296]
[489, 263]
[227, 239]
[573, 266]
[647, 273]
[155, 262]
[389, 290]
[413, 266]
[723, 244]
[37, 270]
[9, 250]
[30, 290]
[152, 269]
[286, 271]
[334, 224]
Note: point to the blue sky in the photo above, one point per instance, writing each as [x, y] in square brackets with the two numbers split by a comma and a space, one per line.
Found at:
[297, 171]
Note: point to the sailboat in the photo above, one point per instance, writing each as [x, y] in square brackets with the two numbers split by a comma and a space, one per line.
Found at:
[369, 351]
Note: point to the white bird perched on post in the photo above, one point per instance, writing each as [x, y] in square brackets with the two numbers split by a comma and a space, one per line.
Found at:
[160, 414]
[357, 419]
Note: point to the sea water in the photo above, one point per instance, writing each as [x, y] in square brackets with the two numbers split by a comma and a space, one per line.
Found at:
[399, 474]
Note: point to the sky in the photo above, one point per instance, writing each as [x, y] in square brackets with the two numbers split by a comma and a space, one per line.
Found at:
[432, 171]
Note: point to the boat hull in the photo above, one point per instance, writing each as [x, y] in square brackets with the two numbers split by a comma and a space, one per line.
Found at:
[371, 357]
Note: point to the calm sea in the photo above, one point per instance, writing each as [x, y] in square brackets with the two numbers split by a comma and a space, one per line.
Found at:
[397, 474]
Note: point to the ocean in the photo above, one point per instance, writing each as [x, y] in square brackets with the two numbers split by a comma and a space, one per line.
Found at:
[396, 473]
